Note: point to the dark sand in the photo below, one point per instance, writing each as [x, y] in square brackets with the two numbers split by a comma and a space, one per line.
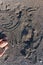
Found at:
[22, 22]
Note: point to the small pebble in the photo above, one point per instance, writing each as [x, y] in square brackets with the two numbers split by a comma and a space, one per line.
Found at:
[1, 3]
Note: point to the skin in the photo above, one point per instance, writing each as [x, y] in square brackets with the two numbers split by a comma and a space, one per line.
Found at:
[3, 47]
